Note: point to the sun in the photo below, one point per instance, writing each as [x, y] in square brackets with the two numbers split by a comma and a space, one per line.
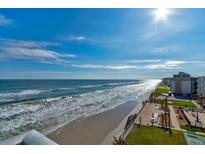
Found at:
[161, 14]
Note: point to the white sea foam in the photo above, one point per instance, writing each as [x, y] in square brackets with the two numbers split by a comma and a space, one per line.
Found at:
[91, 86]
[65, 88]
[53, 113]
[120, 83]
[20, 93]
[108, 84]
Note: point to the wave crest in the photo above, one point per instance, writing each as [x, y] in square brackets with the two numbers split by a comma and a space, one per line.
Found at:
[49, 114]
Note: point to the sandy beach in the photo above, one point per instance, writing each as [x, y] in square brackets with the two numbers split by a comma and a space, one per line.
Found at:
[99, 128]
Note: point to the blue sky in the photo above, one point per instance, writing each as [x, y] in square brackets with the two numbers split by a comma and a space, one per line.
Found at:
[101, 43]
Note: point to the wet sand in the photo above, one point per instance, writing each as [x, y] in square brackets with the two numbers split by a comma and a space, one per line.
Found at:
[96, 129]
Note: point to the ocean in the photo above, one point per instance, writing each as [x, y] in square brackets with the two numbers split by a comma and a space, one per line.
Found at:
[46, 105]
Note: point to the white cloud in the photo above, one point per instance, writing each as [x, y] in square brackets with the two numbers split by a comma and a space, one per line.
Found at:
[19, 52]
[170, 64]
[5, 21]
[87, 65]
[145, 61]
[117, 67]
[75, 38]
[27, 43]
[32, 50]
[161, 50]
[122, 67]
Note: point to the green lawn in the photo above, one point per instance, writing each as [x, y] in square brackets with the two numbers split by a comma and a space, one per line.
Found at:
[152, 135]
[185, 104]
[179, 103]
[161, 89]
[192, 129]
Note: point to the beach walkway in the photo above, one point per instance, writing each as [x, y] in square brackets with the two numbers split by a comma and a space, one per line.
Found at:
[146, 114]
[120, 128]
[174, 120]
[108, 140]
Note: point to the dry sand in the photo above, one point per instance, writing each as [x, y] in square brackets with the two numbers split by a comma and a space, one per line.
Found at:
[120, 128]
[96, 129]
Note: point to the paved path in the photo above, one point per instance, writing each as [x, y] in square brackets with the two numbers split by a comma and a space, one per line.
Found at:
[146, 114]
[174, 120]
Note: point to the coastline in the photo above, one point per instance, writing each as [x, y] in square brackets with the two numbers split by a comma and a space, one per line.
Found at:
[99, 128]
[120, 128]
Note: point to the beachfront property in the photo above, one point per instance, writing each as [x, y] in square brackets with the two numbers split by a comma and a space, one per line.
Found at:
[180, 83]
[186, 85]
[73, 91]
[201, 86]
[201, 90]
[181, 75]
[167, 119]
[160, 118]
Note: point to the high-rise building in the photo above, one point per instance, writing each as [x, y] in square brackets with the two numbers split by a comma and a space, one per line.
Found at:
[201, 86]
[201, 90]
[181, 74]
[183, 83]
[194, 84]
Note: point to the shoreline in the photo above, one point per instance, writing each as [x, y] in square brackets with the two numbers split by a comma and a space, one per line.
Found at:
[99, 128]
[120, 128]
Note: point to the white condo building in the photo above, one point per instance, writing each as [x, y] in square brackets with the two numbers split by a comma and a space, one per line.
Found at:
[180, 83]
[183, 83]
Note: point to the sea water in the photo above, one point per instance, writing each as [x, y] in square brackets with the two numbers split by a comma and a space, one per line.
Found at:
[46, 105]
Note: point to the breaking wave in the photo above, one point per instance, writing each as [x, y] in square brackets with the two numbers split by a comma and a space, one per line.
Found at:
[21, 93]
[49, 114]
